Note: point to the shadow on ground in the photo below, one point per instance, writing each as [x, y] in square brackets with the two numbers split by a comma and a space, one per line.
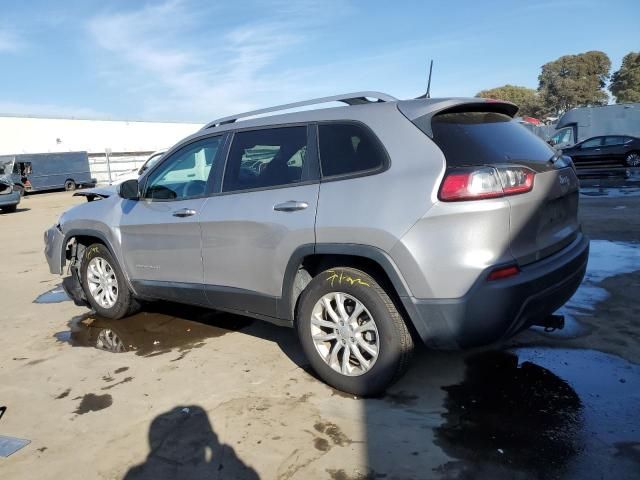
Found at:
[183, 444]
[526, 412]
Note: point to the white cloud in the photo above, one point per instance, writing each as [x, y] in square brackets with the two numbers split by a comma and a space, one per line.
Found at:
[181, 68]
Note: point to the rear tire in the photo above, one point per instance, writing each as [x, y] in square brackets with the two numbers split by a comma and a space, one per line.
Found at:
[632, 159]
[364, 353]
[10, 209]
[104, 283]
[70, 185]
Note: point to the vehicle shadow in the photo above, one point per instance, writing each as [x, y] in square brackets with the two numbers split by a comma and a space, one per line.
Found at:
[17, 210]
[485, 414]
[183, 444]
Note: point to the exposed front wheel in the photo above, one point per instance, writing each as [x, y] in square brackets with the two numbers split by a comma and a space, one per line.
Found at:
[352, 333]
[69, 185]
[104, 284]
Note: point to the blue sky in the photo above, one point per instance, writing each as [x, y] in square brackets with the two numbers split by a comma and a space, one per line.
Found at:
[195, 60]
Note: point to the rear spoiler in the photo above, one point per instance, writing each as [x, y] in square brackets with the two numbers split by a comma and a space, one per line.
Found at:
[422, 111]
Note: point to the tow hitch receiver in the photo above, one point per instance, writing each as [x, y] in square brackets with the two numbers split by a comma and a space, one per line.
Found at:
[551, 323]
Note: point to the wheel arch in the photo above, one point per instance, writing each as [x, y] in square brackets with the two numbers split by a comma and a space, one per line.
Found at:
[87, 237]
[314, 259]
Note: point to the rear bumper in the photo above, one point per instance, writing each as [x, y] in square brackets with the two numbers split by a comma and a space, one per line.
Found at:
[496, 310]
[10, 199]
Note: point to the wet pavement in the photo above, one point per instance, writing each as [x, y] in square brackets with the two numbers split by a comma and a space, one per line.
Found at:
[151, 333]
[612, 187]
[237, 392]
[546, 413]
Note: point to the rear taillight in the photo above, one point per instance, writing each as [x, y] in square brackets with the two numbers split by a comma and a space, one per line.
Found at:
[503, 272]
[485, 182]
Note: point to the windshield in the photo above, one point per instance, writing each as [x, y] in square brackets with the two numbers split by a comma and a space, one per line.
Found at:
[152, 161]
[6, 167]
[563, 136]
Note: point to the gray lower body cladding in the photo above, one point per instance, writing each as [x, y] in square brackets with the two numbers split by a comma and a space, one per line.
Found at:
[496, 310]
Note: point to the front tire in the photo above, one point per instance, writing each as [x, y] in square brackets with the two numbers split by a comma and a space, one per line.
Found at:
[351, 332]
[70, 185]
[9, 209]
[104, 283]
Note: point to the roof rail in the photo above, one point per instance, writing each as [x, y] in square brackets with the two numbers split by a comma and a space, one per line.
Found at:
[355, 98]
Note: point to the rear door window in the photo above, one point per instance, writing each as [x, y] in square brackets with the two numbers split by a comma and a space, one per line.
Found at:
[266, 158]
[349, 148]
[592, 143]
[613, 140]
[479, 138]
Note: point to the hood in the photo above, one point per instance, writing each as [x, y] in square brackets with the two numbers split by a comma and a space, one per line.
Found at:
[97, 193]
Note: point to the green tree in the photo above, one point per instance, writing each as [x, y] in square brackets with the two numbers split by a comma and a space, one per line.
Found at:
[625, 83]
[574, 81]
[527, 99]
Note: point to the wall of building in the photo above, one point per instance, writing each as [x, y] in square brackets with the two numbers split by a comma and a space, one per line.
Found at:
[129, 143]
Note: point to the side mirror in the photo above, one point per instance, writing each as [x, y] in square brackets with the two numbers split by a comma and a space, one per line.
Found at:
[130, 190]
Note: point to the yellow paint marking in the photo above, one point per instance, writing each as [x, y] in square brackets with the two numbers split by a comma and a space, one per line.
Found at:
[339, 277]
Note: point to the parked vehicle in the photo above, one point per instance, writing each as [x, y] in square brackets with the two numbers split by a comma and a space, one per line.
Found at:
[605, 152]
[50, 171]
[579, 124]
[9, 195]
[10, 192]
[136, 172]
[365, 227]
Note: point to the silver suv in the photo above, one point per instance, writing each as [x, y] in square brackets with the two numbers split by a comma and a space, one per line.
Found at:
[366, 227]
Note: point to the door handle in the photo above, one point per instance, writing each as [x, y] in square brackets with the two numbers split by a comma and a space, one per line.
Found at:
[290, 206]
[185, 212]
[597, 149]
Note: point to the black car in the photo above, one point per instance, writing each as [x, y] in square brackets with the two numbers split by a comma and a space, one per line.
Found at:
[605, 151]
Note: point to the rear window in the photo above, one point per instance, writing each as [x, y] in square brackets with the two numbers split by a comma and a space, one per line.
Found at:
[613, 140]
[478, 138]
[348, 148]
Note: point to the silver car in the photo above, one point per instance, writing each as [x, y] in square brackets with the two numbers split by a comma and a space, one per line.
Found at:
[366, 227]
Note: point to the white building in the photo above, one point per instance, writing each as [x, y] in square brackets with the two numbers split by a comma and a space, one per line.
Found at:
[128, 143]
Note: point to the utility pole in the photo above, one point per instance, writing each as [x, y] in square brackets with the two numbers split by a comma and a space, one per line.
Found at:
[107, 153]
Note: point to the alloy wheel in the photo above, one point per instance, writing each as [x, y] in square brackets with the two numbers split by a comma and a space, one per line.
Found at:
[345, 334]
[102, 281]
[633, 159]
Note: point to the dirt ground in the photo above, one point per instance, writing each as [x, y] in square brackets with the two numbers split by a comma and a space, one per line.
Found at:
[197, 394]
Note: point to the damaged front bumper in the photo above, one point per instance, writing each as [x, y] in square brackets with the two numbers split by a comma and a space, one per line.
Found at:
[54, 249]
[55, 252]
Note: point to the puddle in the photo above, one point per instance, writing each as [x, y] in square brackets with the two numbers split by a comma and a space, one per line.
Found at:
[151, 333]
[606, 259]
[548, 412]
[612, 188]
[55, 295]
[572, 328]
[610, 192]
